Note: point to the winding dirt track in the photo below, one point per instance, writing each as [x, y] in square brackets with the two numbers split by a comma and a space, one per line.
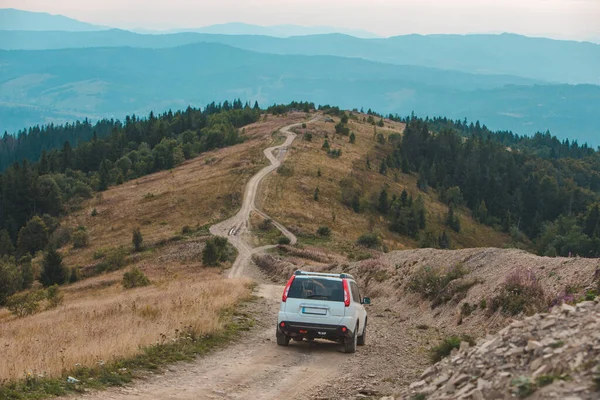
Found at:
[235, 227]
[254, 367]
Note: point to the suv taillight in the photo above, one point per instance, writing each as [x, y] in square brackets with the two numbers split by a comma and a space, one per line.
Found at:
[287, 289]
[346, 293]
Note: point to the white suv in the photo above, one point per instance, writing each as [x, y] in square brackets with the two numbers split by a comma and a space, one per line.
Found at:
[322, 306]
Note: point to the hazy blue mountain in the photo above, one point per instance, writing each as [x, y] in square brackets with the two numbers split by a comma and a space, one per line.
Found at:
[542, 59]
[12, 19]
[51, 85]
[281, 31]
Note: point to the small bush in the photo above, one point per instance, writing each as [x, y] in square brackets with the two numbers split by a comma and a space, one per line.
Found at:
[524, 386]
[284, 240]
[483, 304]
[135, 278]
[324, 231]
[186, 230]
[114, 259]
[24, 304]
[215, 251]
[440, 287]
[308, 137]
[521, 293]
[369, 240]
[54, 297]
[467, 309]
[285, 170]
[94, 212]
[266, 224]
[81, 238]
[303, 125]
[445, 348]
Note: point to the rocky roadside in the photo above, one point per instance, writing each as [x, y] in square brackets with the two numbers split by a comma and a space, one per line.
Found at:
[554, 355]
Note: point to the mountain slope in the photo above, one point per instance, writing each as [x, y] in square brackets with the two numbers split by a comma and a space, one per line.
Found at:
[536, 58]
[116, 81]
[12, 19]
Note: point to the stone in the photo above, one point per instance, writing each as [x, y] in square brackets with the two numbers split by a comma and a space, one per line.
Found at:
[567, 308]
[540, 371]
[548, 324]
[462, 378]
[477, 395]
[428, 372]
[464, 346]
[440, 380]
[418, 384]
[533, 345]
[483, 384]
[467, 388]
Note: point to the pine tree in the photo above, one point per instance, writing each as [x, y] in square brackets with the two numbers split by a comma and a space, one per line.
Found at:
[53, 269]
[356, 203]
[104, 175]
[384, 204]
[6, 246]
[326, 145]
[444, 241]
[383, 168]
[352, 137]
[316, 195]
[137, 240]
[368, 163]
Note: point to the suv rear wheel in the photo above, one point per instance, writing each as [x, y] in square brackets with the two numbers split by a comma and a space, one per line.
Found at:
[361, 339]
[282, 338]
[350, 342]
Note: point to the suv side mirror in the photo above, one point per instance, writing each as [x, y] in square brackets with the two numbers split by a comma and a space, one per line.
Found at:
[366, 300]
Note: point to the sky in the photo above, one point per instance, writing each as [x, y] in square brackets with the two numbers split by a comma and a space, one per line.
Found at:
[564, 19]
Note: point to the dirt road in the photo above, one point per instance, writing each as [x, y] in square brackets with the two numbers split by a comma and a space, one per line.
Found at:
[236, 227]
[251, 368]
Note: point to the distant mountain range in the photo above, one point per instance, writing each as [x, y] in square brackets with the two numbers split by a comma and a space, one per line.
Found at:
[12, 19]
[59, 70]
[281, 31]
[20, 20]
[53, 85]
[549, 60]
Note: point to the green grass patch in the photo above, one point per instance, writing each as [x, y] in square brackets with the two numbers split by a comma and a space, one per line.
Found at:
[444, 349]
[186, 347]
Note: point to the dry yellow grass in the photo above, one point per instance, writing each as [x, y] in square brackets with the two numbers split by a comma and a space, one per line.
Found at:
[289, 199]
[102, 323]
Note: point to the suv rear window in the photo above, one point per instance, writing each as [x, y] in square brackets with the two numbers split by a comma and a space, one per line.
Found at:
[316, 289]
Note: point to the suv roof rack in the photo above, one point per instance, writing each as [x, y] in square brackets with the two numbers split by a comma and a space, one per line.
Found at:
[309, 273]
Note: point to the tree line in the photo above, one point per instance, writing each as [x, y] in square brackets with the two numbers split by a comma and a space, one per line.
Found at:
[538, 187]
[63, 177]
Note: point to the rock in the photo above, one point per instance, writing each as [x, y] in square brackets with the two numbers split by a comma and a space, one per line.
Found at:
[440, 380]
[567, 308]
[548, 324]
[418, 384]
[533, 345]
[428, 372]
[477, 395]
[483, 384]
[464, 346]
[462, 378]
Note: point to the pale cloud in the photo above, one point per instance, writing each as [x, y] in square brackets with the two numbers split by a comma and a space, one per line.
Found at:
[575, 19]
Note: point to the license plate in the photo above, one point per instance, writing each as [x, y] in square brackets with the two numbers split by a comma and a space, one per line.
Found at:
[314, 311]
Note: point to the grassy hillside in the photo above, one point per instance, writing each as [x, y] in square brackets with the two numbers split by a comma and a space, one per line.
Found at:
[288, 196]
[172, 209]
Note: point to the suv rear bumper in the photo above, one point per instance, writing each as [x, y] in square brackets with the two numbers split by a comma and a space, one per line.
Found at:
[304, 329]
